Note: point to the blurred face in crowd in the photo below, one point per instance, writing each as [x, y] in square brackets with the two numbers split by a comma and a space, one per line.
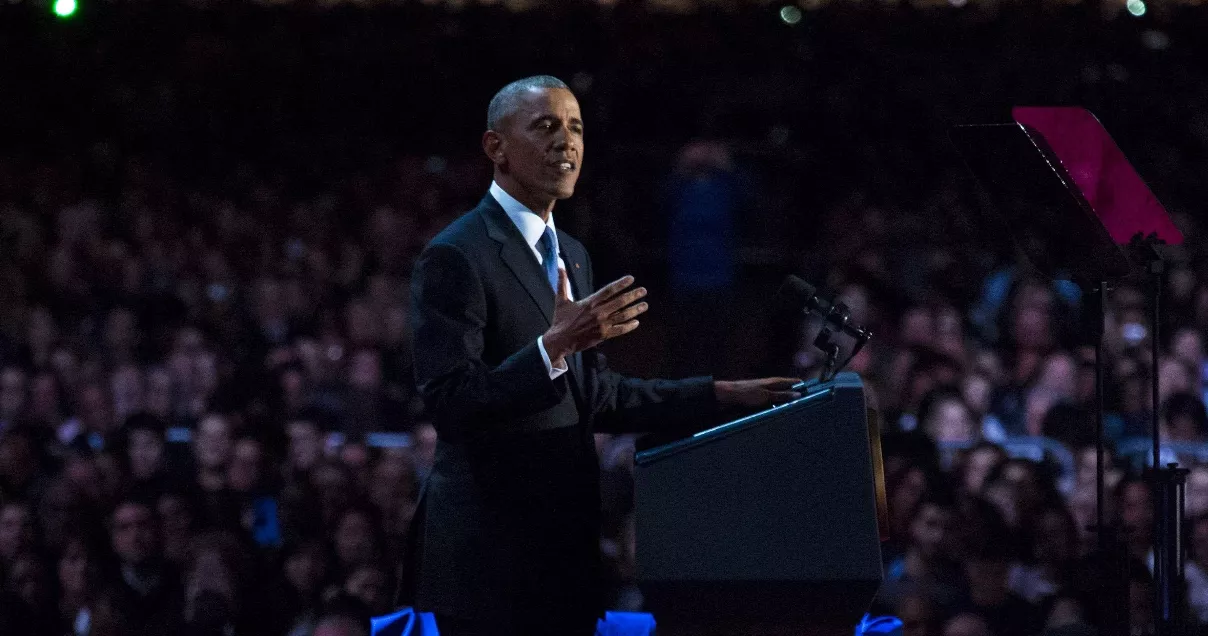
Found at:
[918, 615]
[365, 370]
[1196, 497]
[1199, 540]
[244, 472]
[127, 388]
[293, 386]
[967, 625]
[906, 491]
[95, 410]
[354, 540]
[305, 569]
[1055, 538]
[1183, 428]
[16, 531]
[1029, 492]
[1058, 375]
[1188, 347]
[369, 584]
[18, 463]
[978, 466]
[364, 325]
[177, 521]
[950, 421]
[75, 569]
[135, 534]
[355, 456]
[425, 445]
[339, 626]
[1136, 514]
[146, 453]
[977, 391]
[1173, 377]
[949, 332]
[305, 444]
[120, 330]
[41, 332]
[1030, 329]
[210, 571]
[30, 580]
[158, 398]
[59, 513]
[537, 148]
[44, 396]
[213, 445]
[918, 326]
[1002, 495]
[929, 529]
[12, 393]
[334, 485]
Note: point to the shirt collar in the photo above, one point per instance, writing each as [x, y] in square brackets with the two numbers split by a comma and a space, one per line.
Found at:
[527, 221]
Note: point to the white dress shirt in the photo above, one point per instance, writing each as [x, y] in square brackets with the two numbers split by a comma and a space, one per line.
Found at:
[532, 228]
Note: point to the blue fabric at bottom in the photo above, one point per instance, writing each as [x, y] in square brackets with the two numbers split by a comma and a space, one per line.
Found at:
[625, 624]
[407, 622]
[879, 626]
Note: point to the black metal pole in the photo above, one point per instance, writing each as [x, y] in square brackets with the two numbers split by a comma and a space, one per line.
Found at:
[1110, 558]
[1168, 486]
[1156, 273]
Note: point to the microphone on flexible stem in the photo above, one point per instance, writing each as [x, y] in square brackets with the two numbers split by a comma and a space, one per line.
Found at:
[802, 296]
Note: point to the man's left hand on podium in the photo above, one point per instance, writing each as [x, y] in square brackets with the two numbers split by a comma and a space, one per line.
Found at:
[758, 393]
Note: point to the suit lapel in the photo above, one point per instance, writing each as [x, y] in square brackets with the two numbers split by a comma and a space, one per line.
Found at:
[582, 288]
[574, 266]
[517, 255]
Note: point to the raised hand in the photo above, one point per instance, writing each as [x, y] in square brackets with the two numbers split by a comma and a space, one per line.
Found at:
[583, 324]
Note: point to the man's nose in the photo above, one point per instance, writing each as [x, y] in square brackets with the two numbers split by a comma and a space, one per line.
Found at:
[564, 140]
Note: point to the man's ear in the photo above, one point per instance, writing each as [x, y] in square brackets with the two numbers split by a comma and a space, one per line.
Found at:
[492, 145]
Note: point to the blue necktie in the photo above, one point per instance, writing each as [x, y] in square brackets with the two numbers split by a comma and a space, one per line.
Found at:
[549, 257]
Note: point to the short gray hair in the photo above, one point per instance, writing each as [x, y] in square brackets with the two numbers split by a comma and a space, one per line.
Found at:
[504, 102]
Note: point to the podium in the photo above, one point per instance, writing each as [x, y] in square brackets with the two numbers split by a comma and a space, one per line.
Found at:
[767, 525]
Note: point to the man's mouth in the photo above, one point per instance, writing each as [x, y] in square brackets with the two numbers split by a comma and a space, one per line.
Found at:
[564, 166]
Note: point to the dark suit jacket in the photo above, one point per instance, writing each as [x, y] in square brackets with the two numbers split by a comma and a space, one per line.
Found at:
[508, 522]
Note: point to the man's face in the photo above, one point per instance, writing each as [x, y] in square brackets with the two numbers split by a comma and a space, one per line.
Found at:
[929, 529]
[213, 446]
[244, 471]
[12, 392]
[16, 531]
[134, 533]
[539, 146]
[305, 444]
[145, 452]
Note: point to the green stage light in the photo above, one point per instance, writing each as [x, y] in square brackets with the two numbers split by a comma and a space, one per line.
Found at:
[65, 8]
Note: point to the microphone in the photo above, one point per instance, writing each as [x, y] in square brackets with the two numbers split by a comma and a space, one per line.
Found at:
[799, 295]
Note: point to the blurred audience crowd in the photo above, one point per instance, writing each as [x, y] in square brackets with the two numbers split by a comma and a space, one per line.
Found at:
[207, 419]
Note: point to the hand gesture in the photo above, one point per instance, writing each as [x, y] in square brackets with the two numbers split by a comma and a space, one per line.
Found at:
[756, 393]
[583, 324]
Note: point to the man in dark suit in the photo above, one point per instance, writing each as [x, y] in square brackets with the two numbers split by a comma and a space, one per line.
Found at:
[506, 539]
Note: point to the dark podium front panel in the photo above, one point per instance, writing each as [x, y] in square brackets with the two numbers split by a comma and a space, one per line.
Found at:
[765, 525]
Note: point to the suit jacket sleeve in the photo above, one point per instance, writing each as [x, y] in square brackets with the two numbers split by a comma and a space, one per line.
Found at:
[632, 405]
[449, 314]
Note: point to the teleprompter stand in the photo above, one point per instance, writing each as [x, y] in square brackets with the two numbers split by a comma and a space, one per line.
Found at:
[1067, 196]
